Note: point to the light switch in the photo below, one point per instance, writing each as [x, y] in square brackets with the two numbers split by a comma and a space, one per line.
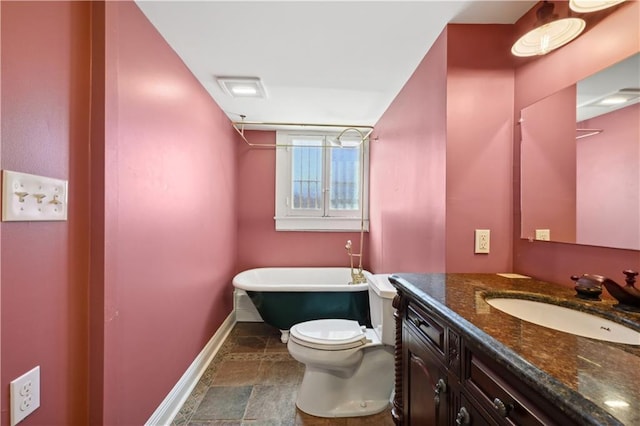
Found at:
[28, 197]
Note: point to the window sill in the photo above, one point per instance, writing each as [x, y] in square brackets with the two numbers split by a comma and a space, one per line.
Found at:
[312, 224]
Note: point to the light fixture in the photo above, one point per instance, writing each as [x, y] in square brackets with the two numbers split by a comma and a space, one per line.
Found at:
[614, 100]
[242, 87]
[586, 6]
[550, 33]
[620, 97]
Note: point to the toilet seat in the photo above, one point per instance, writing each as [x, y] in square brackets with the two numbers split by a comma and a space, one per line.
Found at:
[329, 334]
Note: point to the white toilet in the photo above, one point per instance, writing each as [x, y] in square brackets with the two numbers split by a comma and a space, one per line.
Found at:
[349, 369]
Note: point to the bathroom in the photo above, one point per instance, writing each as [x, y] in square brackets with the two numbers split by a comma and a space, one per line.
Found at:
[117, 302]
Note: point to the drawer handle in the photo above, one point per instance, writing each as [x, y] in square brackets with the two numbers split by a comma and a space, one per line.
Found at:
[463, 418]
[419, 323]
[502, 408]
[441, 387]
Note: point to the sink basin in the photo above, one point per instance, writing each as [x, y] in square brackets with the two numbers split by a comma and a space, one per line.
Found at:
[567, 320]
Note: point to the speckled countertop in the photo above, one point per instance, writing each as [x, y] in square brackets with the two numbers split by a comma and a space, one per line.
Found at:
[578, 374]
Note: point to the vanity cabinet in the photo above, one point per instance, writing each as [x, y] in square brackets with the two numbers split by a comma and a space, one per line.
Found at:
[444, 378]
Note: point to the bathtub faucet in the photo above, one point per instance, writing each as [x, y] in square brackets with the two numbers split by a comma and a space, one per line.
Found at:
[357, 277]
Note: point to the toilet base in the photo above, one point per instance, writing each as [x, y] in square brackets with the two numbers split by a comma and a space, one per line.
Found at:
[349, 409]
[351, 392]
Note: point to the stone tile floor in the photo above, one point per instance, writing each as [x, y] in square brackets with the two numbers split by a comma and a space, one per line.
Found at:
[253, 380]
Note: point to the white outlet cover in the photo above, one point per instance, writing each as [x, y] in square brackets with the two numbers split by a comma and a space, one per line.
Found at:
[482, 241]
[25, 395]
[27, 197]
[543, 234]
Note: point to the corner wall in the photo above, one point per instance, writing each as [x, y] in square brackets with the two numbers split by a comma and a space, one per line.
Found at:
[442, 165]
[408, 187]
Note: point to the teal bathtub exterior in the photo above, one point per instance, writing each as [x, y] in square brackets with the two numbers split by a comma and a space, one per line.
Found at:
[285, 296]
[285, 309]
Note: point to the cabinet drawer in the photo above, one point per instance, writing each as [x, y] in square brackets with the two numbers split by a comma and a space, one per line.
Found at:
[499, 393]
[428, 327]
[470, 415]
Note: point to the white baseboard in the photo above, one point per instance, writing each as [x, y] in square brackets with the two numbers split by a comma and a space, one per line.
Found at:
[166, 412]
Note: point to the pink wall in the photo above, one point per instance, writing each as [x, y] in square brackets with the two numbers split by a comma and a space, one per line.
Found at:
[599, 182]
[113, 332]
[407, 188]
[614, 38]
[0, 226]
[45, 128]
[479, 145]
[170, 217]
[548, 166]
[258, 242]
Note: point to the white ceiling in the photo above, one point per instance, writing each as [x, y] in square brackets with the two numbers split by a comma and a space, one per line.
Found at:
[321, 62]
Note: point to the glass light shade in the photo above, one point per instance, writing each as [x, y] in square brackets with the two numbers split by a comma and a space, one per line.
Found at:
[586, 6]
[548, 37]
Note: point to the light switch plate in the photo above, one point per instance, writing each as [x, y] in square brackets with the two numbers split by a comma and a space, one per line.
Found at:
[28, 197]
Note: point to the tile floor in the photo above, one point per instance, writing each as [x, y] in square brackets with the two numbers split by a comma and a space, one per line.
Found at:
[253, 380]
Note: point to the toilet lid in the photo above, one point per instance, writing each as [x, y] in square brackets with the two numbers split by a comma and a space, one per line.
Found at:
[335, 333]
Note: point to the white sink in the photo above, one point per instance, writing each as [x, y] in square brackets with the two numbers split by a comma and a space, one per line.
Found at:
[567, 320]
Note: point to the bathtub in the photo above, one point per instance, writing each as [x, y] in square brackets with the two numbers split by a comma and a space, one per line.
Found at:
[287, 296]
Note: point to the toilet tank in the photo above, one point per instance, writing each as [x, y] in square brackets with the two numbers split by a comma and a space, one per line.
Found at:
[381, 294]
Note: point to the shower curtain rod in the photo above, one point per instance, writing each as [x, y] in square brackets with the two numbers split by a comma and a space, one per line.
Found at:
[588, 132]
[239, 126]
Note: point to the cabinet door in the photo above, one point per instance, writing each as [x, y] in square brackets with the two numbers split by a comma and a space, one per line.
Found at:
[426, 385]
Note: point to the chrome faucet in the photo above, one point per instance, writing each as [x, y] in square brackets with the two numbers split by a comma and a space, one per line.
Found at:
[357, 277]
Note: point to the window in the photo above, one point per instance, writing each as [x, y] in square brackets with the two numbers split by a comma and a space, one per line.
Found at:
[318, 185]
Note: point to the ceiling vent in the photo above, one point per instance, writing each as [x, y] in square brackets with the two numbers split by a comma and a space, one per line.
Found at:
[242, 87]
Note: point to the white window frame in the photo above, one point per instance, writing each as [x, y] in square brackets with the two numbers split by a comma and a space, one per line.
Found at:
[287, 219]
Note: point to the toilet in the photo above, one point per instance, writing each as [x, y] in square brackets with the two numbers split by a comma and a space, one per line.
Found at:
[349, 369]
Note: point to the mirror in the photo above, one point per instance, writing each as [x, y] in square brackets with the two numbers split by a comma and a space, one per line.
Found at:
[580, 161]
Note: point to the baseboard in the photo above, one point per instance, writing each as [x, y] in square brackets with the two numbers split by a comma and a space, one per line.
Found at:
[166, 412]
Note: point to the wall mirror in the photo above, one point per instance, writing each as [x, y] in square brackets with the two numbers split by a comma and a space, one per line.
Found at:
[580, 161]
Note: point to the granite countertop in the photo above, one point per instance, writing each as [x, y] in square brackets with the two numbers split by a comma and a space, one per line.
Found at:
[578, 374]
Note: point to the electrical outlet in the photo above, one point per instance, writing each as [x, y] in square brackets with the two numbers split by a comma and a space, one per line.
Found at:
[543, 234]
[482, 240]
[25, 395]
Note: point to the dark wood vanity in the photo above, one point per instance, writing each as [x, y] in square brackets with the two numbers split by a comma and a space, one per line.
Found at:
[461, 362]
